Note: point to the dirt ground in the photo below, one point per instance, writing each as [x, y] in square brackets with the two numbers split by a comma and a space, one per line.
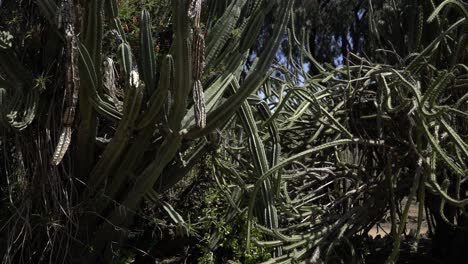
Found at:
[380, 244]
[384, 227]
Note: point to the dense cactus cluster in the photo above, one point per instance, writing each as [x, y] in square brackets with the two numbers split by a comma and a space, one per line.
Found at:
[312, 160]
[146, 140]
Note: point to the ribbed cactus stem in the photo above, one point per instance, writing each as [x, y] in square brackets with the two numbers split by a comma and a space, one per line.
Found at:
[72, 79]
[198, 61]
[254, 80]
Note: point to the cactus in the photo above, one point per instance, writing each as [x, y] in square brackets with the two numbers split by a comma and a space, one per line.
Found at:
[321, 138]
[311, 153]
[107, 173]
[127, 168]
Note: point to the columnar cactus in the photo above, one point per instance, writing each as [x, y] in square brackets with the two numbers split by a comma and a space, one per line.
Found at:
[128, 167]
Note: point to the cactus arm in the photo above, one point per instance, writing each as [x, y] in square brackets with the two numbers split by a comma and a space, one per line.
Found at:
[148, 61]
[131, 160]
[20, 114]
[72, 81]
[275, 151]
[438, 149]
[111, 11]
[173, 174]
[182, 64]
[88, 121]
[171, 144]
[255, 142]
[254, 79]
[111, 156]
[460, 6]
[157, 99]
[456, 138]
[87, 129]
[126, 61]
[213, 96]
[145, 181]
[266, 210]
[111, 8]
[249, 35]
[287, 161]
[16, 112]
[220, 32]
[89, 87]
[414, 64]
[145, 126]
[198, 62]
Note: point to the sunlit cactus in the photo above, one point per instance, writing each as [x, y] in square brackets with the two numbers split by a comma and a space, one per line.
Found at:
[100, 119]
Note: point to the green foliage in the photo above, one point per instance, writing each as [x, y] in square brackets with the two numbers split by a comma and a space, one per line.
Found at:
[123, 257]
[228, 236]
